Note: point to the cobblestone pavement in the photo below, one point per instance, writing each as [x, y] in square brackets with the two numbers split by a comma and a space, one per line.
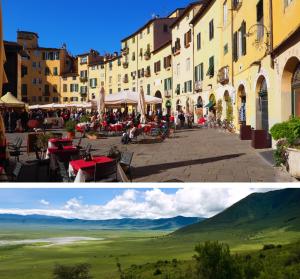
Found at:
[205, 155]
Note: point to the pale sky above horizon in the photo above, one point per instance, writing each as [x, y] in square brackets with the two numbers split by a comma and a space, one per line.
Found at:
[103, 204]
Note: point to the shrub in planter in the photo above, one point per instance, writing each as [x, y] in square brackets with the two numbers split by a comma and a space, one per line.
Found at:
[70, 128]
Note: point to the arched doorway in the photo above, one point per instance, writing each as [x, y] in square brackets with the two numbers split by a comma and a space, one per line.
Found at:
[290, 89]
[212, 104]
[296, 92]
[241, 102]
[158, 107]
[262, 112]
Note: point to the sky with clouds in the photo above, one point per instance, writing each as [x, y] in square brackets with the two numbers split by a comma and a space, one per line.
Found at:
[103, 204]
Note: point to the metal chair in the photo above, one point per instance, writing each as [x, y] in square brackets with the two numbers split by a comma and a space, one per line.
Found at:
[86, 151]
[16, 150]
[106, 172]
[125, 163]
[64, 176]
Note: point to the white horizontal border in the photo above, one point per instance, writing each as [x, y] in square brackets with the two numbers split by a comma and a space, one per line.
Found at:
[144, 185]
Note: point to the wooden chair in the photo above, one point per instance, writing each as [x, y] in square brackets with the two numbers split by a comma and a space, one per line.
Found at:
[106, 172]
[125, 163]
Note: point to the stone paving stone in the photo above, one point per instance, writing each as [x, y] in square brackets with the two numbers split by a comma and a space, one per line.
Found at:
[202, 155]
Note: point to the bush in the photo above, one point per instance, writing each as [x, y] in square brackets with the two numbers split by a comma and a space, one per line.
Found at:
[269, 247]
[289, 130]
[219, 109]
[79, 271]
[157, 272]
[215, 262]
[70, 126]
[229, 112]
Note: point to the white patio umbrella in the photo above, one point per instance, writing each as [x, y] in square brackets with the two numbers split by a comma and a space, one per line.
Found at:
[142, 105]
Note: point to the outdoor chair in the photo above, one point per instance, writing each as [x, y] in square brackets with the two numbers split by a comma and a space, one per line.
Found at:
[86, 151]
[25, 172]
[15, 144]
[78, 145]
[63, 173]
[15, 151]
[106, 172]
[125, 163]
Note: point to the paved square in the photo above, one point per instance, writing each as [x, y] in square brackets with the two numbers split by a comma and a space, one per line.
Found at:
[199, 155]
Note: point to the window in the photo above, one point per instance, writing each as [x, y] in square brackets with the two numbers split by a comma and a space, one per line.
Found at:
[34, 81]
[34, 65]
[47, 89]
[157, 67]
[65, 88]
[211, 69]
[51, 55]
[178, 70]
[168, 61]
[74, 78]
[24, 71]
[165, 28]
[110, 79]
[55, 71]
[83, 89]
[24, 89]
[47, 71]
[74, 87]
[225, 49]
[148, 89]
[198, 41]
[287, 3]
[188, 87]
[240, 42]
[225, 14]
[110, 66]
[55, 88]
[93, 82]
[178, 89]
[84, 60]
[133, 56]
[188, 64]
[188, 38]
[65, 99]
[260, 19]
[148, 30]
[199, 72]
[83, 74]
[110, 91]
[211, 30]
[168, 84]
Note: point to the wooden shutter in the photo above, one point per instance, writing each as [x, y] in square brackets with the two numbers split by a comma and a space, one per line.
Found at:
[234, 48]
[244, 38]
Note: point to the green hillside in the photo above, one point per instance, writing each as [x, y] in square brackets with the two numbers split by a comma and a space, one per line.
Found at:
[273, 210]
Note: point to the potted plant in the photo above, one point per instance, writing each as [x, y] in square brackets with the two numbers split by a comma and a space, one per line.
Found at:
[288, 146]
[70, 128]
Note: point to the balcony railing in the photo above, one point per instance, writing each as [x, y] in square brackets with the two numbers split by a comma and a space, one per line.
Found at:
[198, 86]
[223, 75]
[168, 93]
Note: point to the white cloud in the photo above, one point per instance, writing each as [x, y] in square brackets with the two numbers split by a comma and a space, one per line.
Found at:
[44, 202]
[152, 204]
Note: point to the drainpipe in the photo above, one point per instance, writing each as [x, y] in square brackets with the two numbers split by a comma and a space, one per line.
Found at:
[231, 38]
[271, 31]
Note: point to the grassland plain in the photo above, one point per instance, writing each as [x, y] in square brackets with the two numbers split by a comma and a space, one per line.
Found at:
[128, 247]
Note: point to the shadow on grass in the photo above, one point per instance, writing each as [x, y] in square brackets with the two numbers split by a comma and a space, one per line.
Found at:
[140, 172]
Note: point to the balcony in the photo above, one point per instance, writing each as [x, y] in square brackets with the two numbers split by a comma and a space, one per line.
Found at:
[83, 79]
[125, 51]
[125, 65]
[125, 79]
[198, 86]
[147, 55]
[223, 75]
[168, 93]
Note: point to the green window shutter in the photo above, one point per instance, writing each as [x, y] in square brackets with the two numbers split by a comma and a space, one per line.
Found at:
[202, 72]
[234, 48]
[244, 38]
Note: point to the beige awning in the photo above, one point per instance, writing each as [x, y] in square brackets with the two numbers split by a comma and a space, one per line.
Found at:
[11, 101]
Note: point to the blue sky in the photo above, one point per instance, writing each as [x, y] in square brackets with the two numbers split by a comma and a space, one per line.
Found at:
[82, 25]
[102, 204]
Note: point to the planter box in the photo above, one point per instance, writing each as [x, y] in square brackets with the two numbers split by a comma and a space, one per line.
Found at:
[245, 132]
[261, 139]
[294, 162]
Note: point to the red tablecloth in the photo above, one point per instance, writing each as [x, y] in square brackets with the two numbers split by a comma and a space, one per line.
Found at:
[64, 141]
[116, 127]
[87, 165]
[65, 150]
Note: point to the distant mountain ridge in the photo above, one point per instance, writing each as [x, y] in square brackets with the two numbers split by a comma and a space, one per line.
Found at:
[275, 209]
[126, 223]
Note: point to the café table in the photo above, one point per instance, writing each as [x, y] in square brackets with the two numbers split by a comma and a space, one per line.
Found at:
[53, 143]
[83, 170]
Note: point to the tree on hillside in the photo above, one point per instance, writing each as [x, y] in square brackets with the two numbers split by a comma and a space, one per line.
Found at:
[79, 271]
[215, 262]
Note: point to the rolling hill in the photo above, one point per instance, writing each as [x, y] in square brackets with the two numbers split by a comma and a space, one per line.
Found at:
[259, 211]
[11, 220]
